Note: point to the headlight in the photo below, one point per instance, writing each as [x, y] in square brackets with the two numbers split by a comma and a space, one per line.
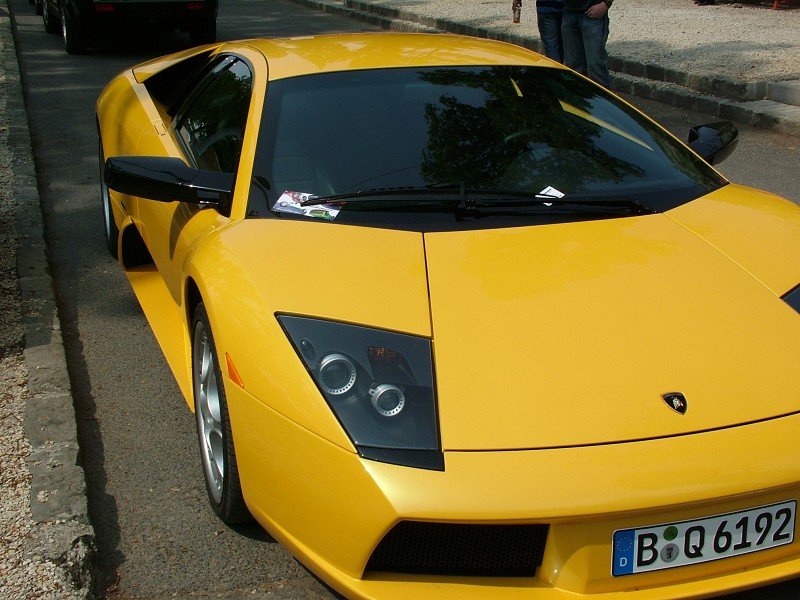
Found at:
[792, 298]
[379, 385]
[337, 374]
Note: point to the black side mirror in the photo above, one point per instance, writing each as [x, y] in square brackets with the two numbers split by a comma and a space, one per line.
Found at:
[167, 180]
[714, 141]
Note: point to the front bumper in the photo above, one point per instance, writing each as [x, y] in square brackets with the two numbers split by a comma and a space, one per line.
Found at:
[332, 508]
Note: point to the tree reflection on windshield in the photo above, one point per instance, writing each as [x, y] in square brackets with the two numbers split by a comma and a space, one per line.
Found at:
[520, 138]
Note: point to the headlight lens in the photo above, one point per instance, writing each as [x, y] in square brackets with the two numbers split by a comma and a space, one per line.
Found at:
[793, 298]
[379, 385]
[337, 374]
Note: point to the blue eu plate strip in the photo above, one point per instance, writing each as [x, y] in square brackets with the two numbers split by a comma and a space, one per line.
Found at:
[623, 552]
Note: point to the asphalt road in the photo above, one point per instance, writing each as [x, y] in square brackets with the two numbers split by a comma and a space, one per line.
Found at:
[157, 536]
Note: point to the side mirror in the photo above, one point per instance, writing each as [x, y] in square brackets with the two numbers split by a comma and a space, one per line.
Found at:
[167, 180]
[714, 141]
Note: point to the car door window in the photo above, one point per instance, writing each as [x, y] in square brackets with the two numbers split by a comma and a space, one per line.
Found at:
[211, 129]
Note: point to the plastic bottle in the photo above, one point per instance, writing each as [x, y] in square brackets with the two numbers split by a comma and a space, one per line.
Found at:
[516, 9]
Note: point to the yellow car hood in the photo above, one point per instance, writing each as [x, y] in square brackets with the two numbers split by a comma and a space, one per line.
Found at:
[569, 334]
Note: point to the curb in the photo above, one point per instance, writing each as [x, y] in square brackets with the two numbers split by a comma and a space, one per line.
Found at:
[732, 100]
[58, 487]
[766, 114]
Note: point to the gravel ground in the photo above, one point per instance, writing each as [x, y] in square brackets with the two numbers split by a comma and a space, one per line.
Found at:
[24, 573]
[730, 41]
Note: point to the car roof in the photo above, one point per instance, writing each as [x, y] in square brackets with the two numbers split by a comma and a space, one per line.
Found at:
[290, 57]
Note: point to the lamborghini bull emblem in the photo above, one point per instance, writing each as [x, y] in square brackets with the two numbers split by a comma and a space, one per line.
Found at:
[676, 401]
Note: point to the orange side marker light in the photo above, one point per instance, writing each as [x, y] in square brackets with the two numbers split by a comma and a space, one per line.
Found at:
[233, 374]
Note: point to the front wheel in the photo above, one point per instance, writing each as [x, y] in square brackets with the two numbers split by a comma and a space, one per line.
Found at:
[109, 224]
[214, 427]
[73, 32]
[50, 18]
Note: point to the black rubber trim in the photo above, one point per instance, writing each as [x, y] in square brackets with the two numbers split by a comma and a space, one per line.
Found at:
[433, 460]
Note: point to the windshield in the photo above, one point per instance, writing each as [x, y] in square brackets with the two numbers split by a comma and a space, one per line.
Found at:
[515, 130]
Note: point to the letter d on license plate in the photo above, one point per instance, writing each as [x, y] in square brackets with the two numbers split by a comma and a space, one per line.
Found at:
[700, 540]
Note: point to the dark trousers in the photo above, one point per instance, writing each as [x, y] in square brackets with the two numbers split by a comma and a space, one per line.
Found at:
[585, 45]
[550, 33]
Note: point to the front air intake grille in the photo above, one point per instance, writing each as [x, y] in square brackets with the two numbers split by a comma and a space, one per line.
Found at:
[466, 550]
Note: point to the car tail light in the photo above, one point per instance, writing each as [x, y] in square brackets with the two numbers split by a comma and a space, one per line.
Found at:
[104, 8]
[196, 5]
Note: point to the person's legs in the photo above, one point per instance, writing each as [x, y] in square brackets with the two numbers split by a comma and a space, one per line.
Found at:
[595, 34]
[550, 33]
[574, 53]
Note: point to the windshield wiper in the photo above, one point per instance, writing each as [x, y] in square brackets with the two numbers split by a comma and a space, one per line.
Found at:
[492, 200]
[480, 201]
[388, 195]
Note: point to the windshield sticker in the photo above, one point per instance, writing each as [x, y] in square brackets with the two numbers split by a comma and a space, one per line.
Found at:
[550, 192]
[291, 202]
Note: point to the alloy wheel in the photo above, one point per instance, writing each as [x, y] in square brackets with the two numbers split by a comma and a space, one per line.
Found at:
[208, 411]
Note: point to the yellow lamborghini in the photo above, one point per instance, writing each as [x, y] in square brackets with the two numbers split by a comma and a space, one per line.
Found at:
[457, 322]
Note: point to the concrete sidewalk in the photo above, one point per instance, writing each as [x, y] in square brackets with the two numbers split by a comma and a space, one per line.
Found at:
[735, 62]
[51, 543]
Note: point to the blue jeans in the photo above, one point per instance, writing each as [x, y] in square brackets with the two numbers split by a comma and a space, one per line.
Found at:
[585, 45]
[550, 33]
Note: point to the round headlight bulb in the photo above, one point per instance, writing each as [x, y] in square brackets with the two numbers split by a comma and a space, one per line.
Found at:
[337, 374]
[387, 399]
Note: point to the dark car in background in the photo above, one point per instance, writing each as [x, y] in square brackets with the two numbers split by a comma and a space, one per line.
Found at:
[80, 20]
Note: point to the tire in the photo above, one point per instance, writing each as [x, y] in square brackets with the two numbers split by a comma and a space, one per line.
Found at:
[109, 224]
[52, 23]
[73, 33]
[204, 32]
[217, 453]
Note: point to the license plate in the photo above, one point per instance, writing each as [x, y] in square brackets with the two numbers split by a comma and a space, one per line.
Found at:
[700, 540]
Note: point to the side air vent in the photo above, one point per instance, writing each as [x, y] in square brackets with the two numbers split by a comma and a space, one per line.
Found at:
[456, 549]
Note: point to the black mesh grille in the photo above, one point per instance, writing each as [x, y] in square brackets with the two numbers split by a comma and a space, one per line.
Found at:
[467, 550]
